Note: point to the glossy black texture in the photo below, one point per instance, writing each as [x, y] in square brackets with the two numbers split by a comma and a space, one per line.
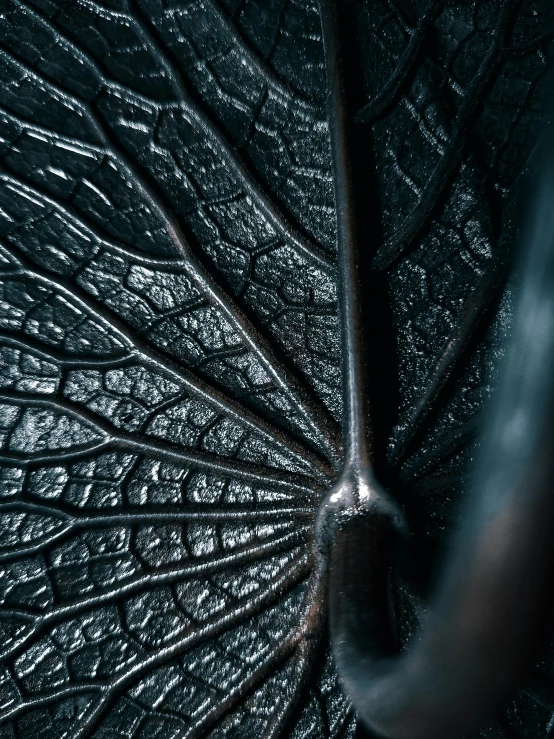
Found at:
[170, 339]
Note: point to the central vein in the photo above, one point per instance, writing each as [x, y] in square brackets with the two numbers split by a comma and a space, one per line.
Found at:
[355, 427]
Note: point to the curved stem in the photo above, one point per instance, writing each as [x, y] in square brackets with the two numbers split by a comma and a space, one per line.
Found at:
[481, 624]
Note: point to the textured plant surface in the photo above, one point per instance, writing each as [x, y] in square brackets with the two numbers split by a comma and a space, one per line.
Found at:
[170, 382]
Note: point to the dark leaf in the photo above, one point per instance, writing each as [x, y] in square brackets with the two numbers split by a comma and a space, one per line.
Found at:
[170, 384]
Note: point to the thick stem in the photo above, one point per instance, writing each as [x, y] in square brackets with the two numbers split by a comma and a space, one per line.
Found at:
[483, 617]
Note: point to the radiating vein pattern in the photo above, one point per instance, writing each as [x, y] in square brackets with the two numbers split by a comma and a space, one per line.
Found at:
[169, 374]
[170, 381]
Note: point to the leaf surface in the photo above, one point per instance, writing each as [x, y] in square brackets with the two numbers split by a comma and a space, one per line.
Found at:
[170, 381]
